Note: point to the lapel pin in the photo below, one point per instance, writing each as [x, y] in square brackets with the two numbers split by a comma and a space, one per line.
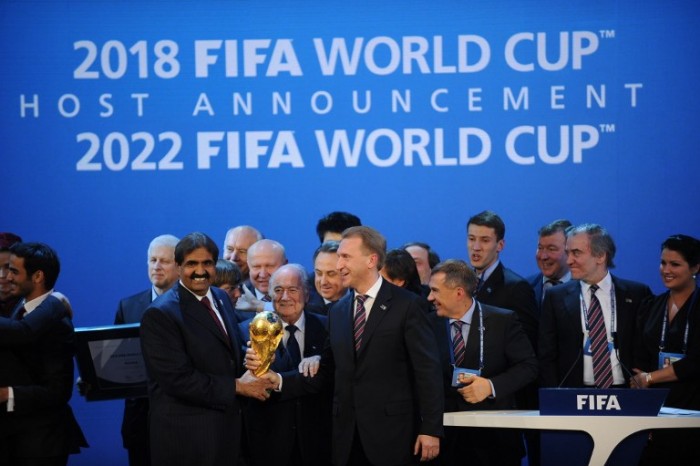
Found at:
[382, 307]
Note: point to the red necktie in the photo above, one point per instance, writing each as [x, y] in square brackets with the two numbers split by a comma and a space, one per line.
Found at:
[213, 315]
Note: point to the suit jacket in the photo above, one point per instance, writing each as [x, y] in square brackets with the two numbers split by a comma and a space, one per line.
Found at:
[389, 391]
[561, 332]
[316, 303]
[41, 372]
[194, 414]
[508, 290]
[537, 286]
[304, 421]
[135, 420]
[131, 309]
[509, 362]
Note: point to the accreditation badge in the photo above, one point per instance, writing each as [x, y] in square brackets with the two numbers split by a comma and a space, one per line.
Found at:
[666, 359]
[460, 375]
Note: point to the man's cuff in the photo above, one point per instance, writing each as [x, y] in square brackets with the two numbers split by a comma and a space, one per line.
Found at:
[10, 400]
[279, 389]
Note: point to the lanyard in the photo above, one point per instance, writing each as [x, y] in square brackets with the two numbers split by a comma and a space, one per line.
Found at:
[584, 309]
[662, 340]
[477, 308]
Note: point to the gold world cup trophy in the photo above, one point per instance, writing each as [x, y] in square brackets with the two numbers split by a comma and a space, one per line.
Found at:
[266, 332]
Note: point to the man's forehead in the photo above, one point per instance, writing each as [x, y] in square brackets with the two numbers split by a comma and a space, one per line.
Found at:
[199, 254]
[481, 230]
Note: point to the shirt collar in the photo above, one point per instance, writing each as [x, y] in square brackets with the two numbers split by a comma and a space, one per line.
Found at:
[467, 317]
[605, 285]
[300, 324]
[487, 273]
[373, 290]
[199, 298]
[29, 306]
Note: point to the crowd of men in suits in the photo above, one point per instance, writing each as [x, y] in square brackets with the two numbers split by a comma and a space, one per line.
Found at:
[366, 368]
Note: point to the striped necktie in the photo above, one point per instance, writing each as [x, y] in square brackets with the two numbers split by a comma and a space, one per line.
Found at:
[602, 369]
[458, 346]
[359, 322]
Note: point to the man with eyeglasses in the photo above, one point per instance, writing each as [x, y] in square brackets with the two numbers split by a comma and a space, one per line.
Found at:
[301, 426]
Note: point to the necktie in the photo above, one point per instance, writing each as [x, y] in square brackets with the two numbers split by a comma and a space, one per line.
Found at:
[602, 369]
[360, 317]
[547, 285]
[21, 313]
[293, 345]
[550, 283]
[266, 298]
[458, 342]
[213, 315]
[480, 283]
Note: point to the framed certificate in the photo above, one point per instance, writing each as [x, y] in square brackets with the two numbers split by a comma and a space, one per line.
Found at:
[110, 362]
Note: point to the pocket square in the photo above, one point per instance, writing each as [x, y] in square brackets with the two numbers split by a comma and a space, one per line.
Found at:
[628, 300]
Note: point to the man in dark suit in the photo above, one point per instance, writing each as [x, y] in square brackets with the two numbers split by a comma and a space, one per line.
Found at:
[490, 343]
[37, 425]
[499, 286]
[192, 349]
[564, 347]
[327, 287]
[163, 274]
[300, 428]
[381, 353]
[551, 258]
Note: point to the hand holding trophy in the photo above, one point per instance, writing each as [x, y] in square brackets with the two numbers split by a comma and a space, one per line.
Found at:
[266, 332]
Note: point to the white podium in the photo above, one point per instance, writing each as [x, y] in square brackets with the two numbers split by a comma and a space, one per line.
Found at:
[607, 431]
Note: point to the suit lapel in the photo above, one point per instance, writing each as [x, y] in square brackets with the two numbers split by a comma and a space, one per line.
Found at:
[196, 310]
[494, 282]
[313, 341]
[573, 306]
[473, 350]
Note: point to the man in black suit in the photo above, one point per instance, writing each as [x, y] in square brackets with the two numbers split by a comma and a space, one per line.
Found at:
[327, 284]
[499, 286]
[564, 354]
[300, 428]
[490, 344]
[37, 425]
[551, 258]
[163, 274]
[382, 356]
[192, 349]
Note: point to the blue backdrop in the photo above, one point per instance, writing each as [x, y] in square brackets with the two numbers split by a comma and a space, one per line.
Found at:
[125, 120]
